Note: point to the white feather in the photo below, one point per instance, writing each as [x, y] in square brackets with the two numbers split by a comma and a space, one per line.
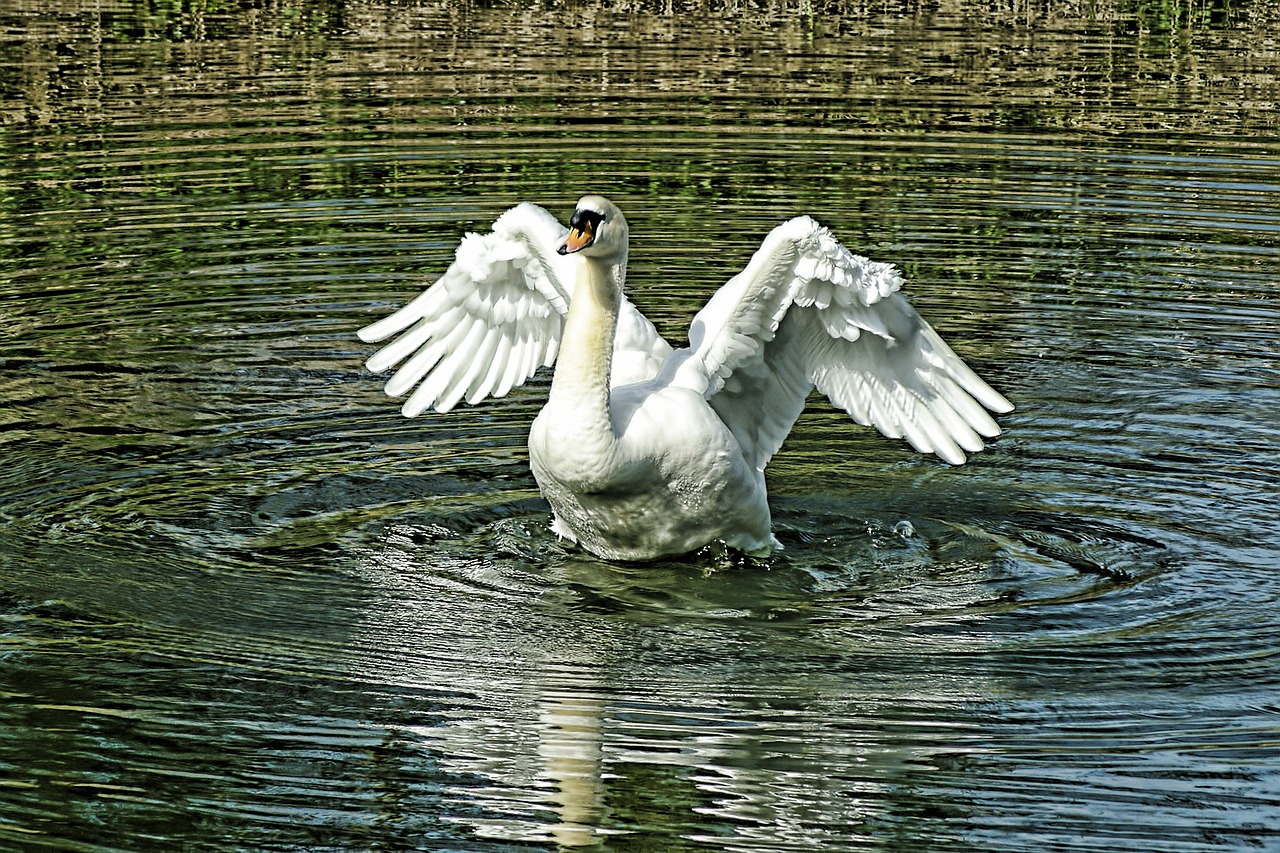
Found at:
[804, 313]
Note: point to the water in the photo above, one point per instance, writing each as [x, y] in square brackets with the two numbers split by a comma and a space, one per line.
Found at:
[243, 605]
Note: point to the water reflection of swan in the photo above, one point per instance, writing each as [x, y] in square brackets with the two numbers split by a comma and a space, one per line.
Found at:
[642, 450]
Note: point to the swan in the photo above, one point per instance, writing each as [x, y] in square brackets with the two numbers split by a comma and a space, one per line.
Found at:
[643, 450]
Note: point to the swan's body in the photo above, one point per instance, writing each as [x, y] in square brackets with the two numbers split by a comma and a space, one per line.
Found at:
[645, 451]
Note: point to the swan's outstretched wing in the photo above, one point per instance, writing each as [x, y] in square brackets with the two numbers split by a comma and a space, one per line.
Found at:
[806, 312]
[494, 318]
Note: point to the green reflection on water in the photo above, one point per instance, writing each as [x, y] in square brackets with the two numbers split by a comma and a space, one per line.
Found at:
[242, 601]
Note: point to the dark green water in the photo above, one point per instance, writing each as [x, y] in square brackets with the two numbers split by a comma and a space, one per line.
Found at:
[244, 605]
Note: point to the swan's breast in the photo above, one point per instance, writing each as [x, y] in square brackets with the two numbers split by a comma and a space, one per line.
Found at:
[673, 479]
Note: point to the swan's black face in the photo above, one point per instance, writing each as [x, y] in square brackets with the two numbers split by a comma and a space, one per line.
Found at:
[584, 227]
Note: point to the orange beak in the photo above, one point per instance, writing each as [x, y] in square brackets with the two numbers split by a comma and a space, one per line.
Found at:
[578, 239]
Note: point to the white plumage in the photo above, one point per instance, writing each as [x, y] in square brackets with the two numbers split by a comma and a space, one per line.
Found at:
[643, 450]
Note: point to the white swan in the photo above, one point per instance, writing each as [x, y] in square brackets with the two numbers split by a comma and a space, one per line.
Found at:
[643, 450]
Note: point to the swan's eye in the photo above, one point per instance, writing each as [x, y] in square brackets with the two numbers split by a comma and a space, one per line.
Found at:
[587, 221]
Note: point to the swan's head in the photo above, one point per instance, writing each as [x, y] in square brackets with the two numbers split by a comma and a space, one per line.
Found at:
[597, 229]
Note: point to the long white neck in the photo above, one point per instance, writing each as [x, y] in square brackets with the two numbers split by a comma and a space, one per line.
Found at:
[580, 386]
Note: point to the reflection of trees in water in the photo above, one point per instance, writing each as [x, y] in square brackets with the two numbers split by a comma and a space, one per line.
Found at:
[1113, 66]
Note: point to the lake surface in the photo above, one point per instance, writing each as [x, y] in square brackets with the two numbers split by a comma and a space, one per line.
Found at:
[245, 605]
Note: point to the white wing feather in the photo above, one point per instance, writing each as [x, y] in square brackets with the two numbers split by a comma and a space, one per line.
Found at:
[807, 312]
[494, 318]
